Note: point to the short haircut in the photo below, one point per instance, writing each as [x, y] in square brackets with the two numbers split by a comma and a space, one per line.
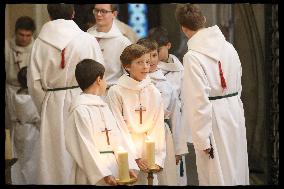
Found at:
[87, 71]
[190, 16]
[160, 35]
[113, 7]
[22, 77]
[150, 44]
[60, 11]
[132, 52]
[26, 23]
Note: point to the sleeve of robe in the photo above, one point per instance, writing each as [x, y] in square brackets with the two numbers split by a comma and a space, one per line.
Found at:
[196, 92]
[34, 80]
[158, 134]
[115, 104]
[79, 143]
[179, 137]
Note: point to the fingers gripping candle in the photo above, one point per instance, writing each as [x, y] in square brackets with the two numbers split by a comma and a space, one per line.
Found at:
[150, 152]
[123, 168]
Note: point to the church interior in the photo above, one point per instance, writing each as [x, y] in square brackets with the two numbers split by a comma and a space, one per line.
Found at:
[252, 29]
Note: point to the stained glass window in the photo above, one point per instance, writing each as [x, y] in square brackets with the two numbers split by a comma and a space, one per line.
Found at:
[137, 19]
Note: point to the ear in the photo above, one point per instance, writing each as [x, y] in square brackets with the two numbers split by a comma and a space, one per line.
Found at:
[98, 80]
[169, 45]
[127, 67]
[115, 13]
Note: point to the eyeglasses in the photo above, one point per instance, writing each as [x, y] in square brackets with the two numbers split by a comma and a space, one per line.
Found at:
[102, 11]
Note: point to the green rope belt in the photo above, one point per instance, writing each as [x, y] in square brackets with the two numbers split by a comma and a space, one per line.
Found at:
[107, 152]
[225, 96]
[62, 88]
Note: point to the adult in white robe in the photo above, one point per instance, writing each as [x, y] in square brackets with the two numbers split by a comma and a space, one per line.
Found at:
[212, 116]
[175, 137]
[112, 44]
[60, 46]
[26, 135]
[172, 69]
[86, 141]
[124, 98]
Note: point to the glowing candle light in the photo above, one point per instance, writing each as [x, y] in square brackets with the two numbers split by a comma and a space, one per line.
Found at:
[123, 168]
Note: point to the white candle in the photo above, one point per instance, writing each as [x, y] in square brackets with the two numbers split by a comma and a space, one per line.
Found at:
[8, 147]
[150, 152]
[123, 168]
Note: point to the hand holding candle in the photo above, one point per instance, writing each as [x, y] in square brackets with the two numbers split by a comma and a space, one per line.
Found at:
[150, 152]
[123, 168]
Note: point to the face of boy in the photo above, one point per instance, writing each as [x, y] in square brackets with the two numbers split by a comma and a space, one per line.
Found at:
[164, 53]
[23, 37]
[154, 60]
[139, 68]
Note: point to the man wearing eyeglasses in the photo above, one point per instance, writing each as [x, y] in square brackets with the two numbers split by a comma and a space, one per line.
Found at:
[111, 40]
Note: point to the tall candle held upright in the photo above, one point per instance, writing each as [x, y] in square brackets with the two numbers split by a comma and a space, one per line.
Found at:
[123, 168]
[8, 147]
[150, 152]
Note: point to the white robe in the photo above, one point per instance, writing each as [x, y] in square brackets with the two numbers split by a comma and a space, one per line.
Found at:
[16, 57]
[112, 44]
[176, 140]
[89, 116]
[123, 99]
[44, 73]
[173, 71]
[222, 120]
[25, 136]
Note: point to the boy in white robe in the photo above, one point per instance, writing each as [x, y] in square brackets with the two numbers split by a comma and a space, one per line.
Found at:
[17, 53]
[172, 69]
[92, 135]
[138, 107]
[111, 40]
[60, 45]
[211, 94]
[26, 133]
[176, 143]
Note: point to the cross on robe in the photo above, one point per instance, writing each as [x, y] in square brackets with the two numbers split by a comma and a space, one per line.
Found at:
[140, 109]
[106, 130]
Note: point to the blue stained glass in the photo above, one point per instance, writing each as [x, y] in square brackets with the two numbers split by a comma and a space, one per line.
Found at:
[137, 14]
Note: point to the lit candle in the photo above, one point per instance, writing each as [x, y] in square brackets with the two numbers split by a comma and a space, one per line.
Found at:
[123, 168]
[8, 147]
[150, 152]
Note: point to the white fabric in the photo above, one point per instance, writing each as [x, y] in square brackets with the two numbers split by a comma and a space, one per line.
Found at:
[123, 99]
[172, 112]
[220, 120]
[25, 136]
[173, 71]
[45, 72]
[16, 57]
[127, 31]
[112, 44]
[89, 116]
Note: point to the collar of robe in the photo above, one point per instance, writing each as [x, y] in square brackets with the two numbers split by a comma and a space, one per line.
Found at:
[157, 75]
[130, 83]
[113, 32]
[173, 66]
[208, 41]
[59, 33]
[87, 99]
